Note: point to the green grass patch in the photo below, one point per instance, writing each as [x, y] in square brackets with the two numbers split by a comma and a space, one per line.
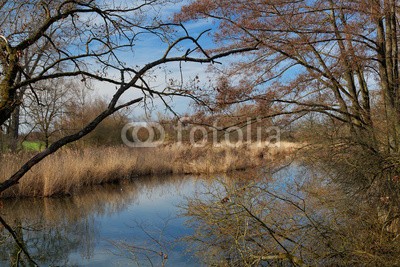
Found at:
[33, 145]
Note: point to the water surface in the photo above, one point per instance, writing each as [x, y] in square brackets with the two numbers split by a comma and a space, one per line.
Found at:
[114, 225]
[136, 223]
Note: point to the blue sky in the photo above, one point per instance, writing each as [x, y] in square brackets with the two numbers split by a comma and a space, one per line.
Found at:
[150, 48]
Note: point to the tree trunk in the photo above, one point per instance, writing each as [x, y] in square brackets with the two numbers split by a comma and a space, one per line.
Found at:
[13, 129]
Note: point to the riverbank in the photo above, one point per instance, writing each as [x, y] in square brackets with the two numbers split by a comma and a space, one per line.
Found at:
[69, 171]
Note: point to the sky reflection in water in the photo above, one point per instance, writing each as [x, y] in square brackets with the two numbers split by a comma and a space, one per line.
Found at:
[99, 227]
[85, 230]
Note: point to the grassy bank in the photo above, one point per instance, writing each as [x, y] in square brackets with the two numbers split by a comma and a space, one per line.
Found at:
[69, 171]
[33, 145]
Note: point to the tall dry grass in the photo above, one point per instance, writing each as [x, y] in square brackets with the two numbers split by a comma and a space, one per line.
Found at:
[69, 171]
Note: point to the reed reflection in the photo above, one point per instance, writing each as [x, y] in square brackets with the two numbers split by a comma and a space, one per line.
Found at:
[295, 218]
[47, 231]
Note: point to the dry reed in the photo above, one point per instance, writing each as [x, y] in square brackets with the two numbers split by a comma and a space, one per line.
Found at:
[69, 171]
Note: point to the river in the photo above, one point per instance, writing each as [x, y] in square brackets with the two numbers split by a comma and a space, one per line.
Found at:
[249, 217]
[110, 225]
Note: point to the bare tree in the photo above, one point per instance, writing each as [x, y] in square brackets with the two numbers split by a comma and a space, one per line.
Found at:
[334, 58]
[45, 107]
[29, 63]
[93, 34]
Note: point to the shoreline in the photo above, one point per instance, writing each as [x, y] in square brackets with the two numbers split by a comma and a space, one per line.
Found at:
[69, 172]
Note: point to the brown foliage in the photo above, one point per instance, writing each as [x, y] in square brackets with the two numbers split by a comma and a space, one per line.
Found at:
[316, 56]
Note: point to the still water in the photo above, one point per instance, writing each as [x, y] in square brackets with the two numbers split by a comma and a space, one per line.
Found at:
[297, 215]
[137, 223]
[114, 225]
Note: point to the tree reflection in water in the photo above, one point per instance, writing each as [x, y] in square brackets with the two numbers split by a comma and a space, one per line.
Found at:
[52, 229]
[297, 218]
[39, 240]
[19, 245]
